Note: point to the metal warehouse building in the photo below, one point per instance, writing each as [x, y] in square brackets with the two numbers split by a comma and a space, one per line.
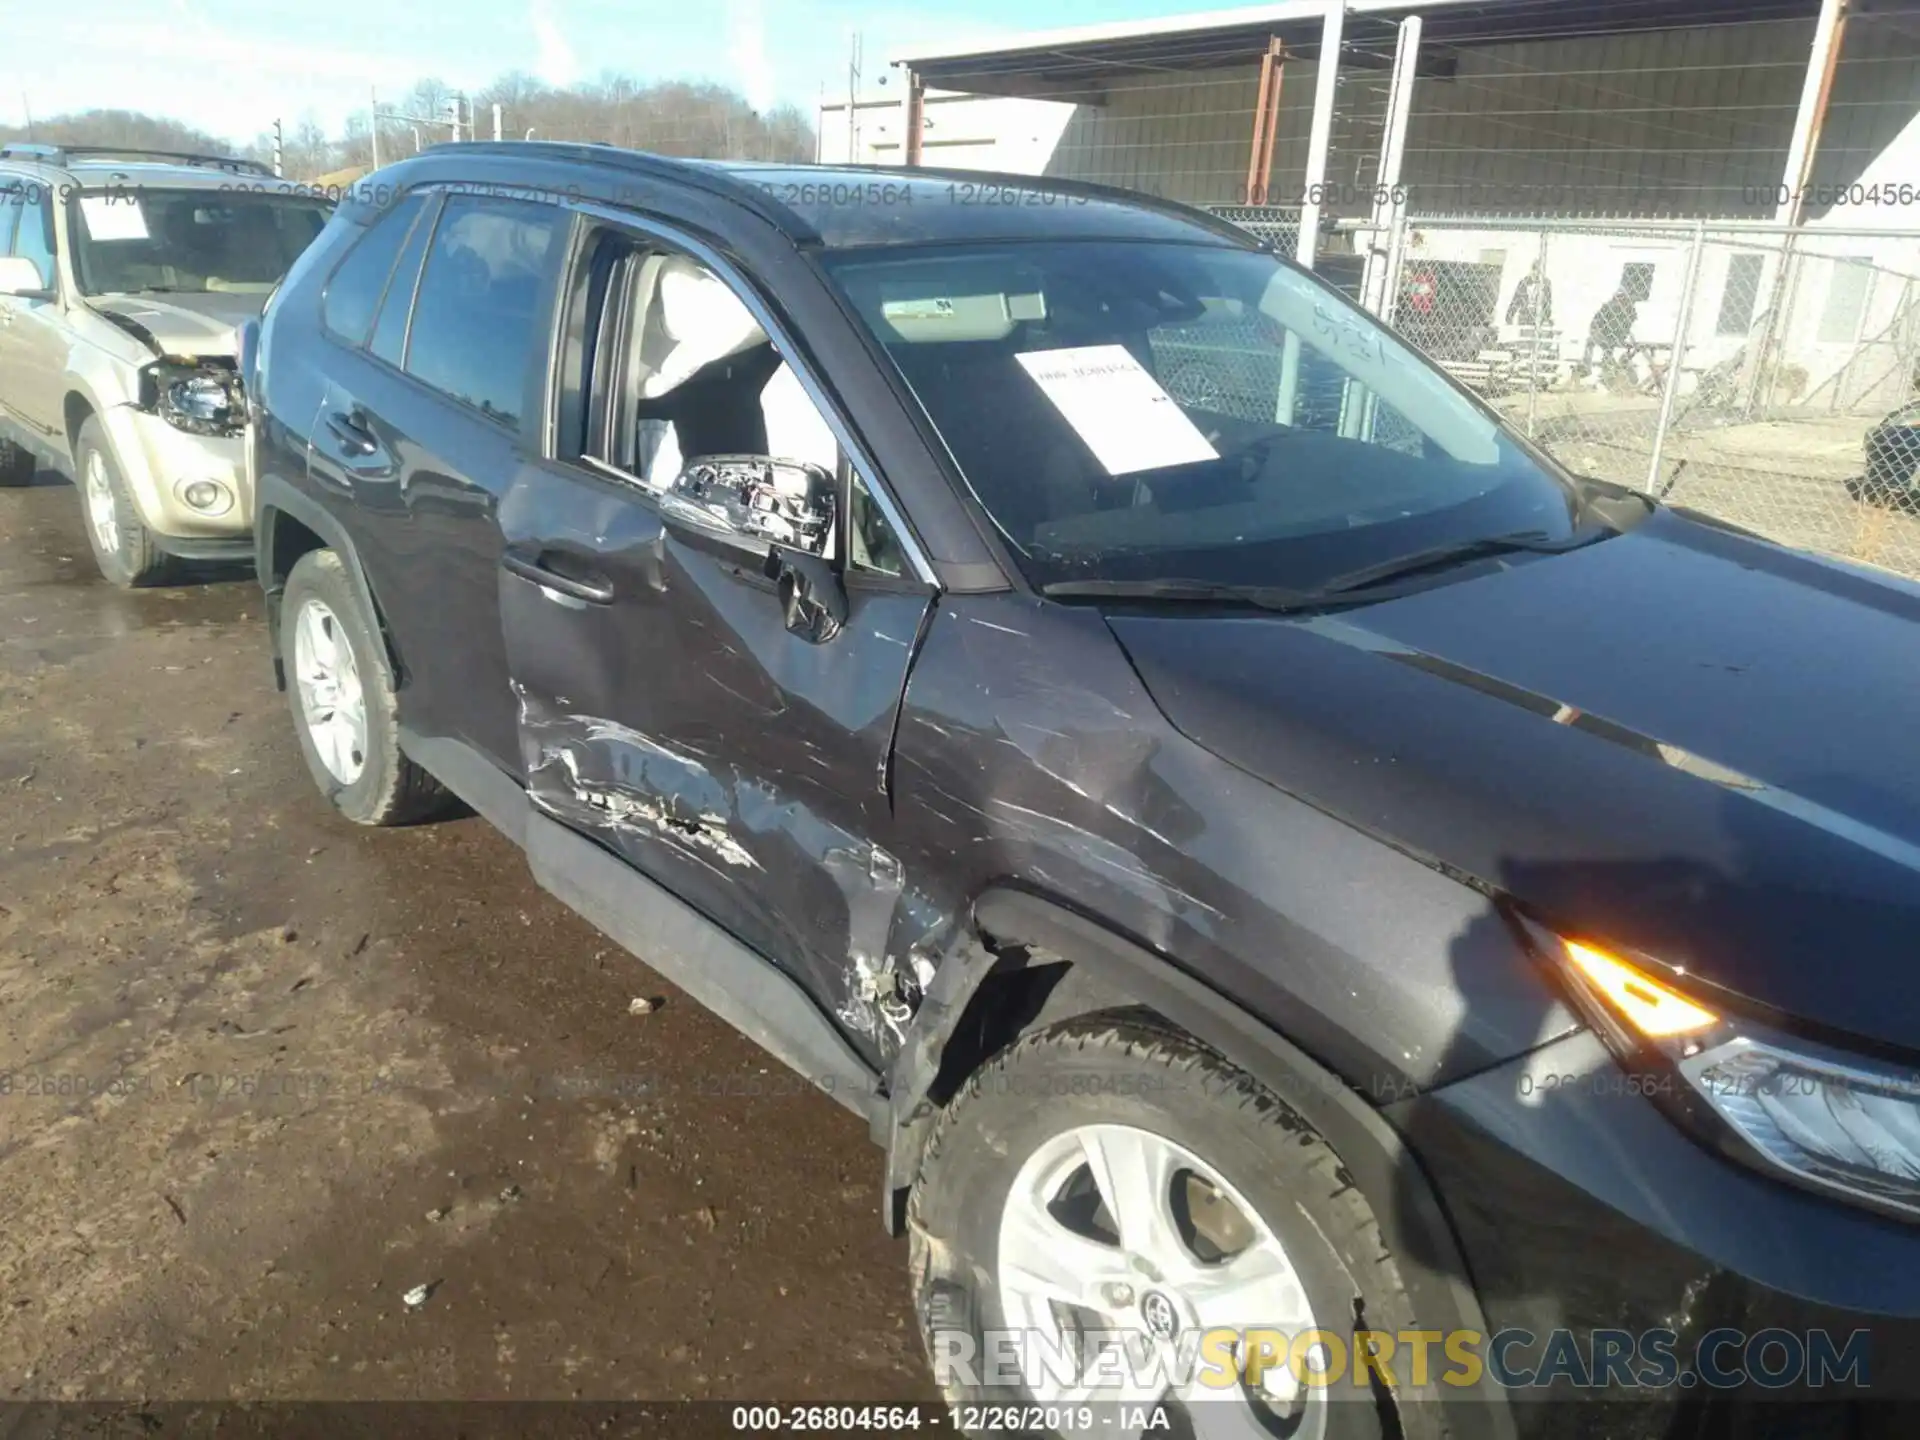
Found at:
[1641, 107]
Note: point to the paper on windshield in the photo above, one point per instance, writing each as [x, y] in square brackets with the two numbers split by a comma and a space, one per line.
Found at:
[114, 217]
[1127, 420]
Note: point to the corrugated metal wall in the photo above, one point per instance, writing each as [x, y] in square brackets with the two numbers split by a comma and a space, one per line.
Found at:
[1680, 122]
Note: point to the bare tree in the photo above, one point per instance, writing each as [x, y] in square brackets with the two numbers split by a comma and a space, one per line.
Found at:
[674, 117]
[119, 127]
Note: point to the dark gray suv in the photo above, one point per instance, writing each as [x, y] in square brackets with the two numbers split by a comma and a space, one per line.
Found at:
[1339, 926]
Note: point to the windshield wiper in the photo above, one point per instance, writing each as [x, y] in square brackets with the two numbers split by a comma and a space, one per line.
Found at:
[1341, 590]
[1265, 597]
[1457, 553]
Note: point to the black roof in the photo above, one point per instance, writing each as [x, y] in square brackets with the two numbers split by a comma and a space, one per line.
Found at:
[835, 205]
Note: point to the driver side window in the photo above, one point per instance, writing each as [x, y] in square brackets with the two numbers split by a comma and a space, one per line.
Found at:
[682, 383]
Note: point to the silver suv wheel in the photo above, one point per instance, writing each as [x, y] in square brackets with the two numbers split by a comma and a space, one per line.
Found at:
[1110, 1229]
[102, 514]
[332, 704]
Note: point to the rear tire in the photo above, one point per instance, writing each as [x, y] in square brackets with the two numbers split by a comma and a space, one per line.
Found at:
[1016, 1183]
[17, 465]
[127, 552]
[345, 710]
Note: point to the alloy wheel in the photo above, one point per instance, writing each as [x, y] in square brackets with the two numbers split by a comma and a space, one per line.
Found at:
[102, 513]
[332, 702]
[1113, 1235]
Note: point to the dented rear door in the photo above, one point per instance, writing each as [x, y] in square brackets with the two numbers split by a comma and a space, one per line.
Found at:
[666, 711]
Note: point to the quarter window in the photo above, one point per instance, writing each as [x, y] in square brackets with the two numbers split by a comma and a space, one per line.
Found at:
[476, 316]
[353, 294]
[390, 330]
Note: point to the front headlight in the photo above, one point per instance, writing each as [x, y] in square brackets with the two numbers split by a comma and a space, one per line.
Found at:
[1822, 1118]
[1835, 1123]
[201, 399]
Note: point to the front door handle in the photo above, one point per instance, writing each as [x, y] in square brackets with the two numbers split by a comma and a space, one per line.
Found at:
[594, 588]
[352, 433]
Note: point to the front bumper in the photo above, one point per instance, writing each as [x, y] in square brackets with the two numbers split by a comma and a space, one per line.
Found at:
[1580, 1207]
[159, 461]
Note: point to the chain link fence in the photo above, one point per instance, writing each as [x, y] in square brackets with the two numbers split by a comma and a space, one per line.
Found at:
[1762, 374]
[1277, 225]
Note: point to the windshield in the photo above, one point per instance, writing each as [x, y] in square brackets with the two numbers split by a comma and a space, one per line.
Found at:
[144, 239]
[1150, 411]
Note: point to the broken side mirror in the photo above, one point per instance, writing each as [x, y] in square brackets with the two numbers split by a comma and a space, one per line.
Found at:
[755, 501]
[812, 599]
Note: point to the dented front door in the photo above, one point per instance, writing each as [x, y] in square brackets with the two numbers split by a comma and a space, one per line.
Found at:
[666, 710]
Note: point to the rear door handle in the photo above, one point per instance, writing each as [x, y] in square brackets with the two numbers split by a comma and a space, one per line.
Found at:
[352, 433]
[593, 587]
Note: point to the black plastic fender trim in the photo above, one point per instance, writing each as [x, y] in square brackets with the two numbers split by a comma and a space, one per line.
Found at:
[1412, 1222]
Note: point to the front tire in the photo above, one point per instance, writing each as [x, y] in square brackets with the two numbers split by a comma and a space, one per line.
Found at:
[345, 710]
[1111, 1178]
[126, 550]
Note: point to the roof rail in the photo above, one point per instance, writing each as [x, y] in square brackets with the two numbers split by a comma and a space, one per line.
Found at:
[61, 154]
[717, 179]
[697, 174]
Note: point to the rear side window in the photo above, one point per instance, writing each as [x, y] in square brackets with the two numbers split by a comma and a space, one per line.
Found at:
[353, 294]
[390, 330]
[477, 313]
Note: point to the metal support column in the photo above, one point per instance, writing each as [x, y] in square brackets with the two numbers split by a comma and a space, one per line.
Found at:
[1387, 201]
[1320, 137]
[1266, 122]
[915, 104]
[1672, 386]
[1815, 91]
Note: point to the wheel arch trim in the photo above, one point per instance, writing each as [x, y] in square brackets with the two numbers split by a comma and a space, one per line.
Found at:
[1413, 1223]
[277, 497]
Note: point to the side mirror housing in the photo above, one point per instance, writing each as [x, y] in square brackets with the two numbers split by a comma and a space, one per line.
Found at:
[813, 602]
[21, 278]
[754, 501]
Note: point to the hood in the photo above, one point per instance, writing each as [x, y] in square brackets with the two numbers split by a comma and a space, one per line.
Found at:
[200, 323]
[1682, 741]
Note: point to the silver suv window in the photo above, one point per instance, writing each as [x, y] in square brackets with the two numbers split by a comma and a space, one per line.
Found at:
[146, 239]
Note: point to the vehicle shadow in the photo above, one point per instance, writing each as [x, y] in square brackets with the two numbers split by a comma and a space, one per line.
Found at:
[185, 573]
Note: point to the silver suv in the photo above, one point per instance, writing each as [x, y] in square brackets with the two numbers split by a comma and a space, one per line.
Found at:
[123, 275]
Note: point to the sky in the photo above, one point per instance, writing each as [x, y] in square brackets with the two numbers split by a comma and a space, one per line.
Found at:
[232, 69]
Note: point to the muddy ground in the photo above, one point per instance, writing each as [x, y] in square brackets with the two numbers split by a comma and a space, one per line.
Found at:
[262, 1073]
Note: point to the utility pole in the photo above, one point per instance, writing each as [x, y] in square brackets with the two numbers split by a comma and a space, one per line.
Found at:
[279, 150]
[373, 124]
[26, 109]
[853, 100]
[496, 120]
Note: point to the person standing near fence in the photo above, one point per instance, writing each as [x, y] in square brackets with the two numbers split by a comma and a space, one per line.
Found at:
[1532, 302]
[1612, 330]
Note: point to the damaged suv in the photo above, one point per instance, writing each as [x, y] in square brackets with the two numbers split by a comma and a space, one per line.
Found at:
[1280, 885]
[123, 277]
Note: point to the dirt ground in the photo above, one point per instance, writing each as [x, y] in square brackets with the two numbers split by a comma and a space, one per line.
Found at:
[262, 1073]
